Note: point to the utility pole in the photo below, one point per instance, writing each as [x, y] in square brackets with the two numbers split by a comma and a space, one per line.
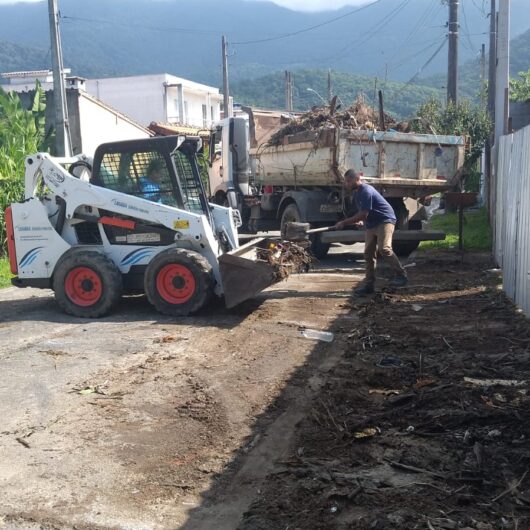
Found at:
[492, 69]
[503, 71]
[288, 91]
[226, 90]
[62, 129]
[482, 74]
[452, 72]
[330, 87]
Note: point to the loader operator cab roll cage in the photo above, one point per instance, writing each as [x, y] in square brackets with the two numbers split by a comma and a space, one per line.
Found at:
[162, 170]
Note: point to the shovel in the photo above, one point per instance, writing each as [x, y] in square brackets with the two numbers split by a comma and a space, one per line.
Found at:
[301, 231]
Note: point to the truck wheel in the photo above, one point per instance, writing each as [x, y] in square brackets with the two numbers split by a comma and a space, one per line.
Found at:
[318, 249]
[87, 284]
[405, 248]
[291, 214]
[178, 282]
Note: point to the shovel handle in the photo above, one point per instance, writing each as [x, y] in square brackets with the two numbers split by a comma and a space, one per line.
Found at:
[317, 230]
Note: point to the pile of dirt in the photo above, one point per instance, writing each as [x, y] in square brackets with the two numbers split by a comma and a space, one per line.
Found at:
[359, 116]
[425, 423]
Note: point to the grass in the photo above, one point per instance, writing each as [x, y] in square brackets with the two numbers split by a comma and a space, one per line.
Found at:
[5, 273]
[477, 231]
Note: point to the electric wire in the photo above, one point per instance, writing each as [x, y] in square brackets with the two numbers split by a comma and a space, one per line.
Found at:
[310, 28]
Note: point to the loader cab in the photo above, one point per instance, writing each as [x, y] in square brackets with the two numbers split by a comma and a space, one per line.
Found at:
[162, 170]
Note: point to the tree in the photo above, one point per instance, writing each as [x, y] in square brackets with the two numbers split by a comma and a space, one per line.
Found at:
[520, 88]
[22, 132]
[462, 119]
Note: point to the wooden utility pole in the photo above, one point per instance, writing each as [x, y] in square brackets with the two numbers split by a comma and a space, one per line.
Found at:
[226, 89]
[330, 87]
[452, 71]
[62, 129]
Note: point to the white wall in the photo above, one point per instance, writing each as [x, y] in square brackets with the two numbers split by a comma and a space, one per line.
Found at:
[140, 97]
[98, 125]
[156, 98]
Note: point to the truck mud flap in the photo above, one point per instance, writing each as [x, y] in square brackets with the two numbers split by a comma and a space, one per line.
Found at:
[243, 278]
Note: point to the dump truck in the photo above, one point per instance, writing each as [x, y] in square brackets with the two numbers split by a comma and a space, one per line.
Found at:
[301, 179]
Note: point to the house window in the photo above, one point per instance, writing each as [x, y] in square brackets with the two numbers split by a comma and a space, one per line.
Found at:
[186, 120]
[204, 116]
[212, 114]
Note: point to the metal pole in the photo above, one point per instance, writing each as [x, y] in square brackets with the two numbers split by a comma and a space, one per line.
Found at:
[330, 87]
[62, 136]
[226, 90]
[452, 72]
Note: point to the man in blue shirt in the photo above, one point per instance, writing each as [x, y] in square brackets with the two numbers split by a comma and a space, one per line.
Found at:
[379, 221]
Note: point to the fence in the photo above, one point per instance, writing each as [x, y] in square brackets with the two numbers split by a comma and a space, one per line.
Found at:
[511, 230]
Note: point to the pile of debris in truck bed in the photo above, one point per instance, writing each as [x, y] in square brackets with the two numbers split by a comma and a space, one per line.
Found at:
[359, 115]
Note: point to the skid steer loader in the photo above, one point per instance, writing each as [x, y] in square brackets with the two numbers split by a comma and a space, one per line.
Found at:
[134, 218]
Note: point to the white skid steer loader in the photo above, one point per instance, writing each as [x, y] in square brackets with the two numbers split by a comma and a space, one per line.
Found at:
[135, 218]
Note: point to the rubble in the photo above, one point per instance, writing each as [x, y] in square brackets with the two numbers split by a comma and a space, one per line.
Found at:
[359, 115]
[285, 259]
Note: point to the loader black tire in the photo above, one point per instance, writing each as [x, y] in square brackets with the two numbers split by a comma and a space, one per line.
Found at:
[87, 284]
[178, 282]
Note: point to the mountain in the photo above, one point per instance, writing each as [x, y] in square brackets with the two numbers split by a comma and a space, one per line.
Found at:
[469, 72]
[392, 38]
[401, 100]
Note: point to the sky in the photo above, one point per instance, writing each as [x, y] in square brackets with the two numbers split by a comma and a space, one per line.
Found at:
[298, 5]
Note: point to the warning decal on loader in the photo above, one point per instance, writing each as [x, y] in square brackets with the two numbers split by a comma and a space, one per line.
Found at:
[181, 224]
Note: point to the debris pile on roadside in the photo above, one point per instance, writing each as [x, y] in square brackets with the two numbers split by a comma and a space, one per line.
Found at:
[285, 258]
[359, 116]
[425, 422]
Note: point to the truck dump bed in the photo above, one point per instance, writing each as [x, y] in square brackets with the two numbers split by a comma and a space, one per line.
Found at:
[401, 164]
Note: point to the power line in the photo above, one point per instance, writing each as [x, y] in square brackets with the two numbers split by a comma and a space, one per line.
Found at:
[310, 28]
[471, 47]
[429, 61]
[141, 26]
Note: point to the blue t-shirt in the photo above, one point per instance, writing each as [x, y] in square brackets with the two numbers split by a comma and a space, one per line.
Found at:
[380, 211]
[150, 189]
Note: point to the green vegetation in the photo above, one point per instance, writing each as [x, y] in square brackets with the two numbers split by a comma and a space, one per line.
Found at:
[477, 231]
[22, 132]
[520, 88]
[5, 273]
[463, 119]
[267, 91]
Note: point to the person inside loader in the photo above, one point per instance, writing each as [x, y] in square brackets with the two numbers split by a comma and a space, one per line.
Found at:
[379, 221]
[150, 184]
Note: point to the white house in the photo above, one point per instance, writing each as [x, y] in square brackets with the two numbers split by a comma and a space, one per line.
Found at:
[91, 121]
[161, 98]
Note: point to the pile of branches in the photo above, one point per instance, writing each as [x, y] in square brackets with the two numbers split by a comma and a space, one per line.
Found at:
[359, 116]
[285, 259]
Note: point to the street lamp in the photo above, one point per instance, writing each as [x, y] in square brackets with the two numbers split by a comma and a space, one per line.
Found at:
[315, 92]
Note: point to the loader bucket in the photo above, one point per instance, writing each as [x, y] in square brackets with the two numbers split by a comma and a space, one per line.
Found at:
[243, 274]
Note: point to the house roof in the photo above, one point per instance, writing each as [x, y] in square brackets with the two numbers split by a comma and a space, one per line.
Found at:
[30, 73]
[124, 117]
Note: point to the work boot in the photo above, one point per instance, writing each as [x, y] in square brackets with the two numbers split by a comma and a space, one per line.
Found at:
[399, 281]
[366, 289]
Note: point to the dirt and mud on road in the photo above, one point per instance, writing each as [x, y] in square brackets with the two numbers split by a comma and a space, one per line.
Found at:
[414, 416]
[424, 422]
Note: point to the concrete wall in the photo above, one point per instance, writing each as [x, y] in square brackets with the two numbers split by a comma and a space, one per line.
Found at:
[141, 97]
[520, 114]
[159, 98]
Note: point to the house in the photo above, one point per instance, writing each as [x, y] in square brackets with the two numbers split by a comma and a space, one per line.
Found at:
[91, 121]
[160, 98]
